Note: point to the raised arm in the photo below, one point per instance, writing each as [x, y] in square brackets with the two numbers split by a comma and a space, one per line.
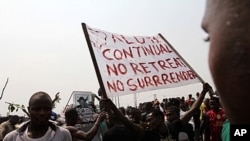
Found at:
[187, 116]
[89, 135]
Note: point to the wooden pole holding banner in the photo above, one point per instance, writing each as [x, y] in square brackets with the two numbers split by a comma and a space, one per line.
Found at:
[211, 92]
[97, 70]
[65, 108]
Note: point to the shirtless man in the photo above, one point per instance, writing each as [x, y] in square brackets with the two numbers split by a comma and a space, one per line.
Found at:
[71, 117]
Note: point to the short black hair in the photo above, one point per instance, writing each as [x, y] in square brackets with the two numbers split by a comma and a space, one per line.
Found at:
[216, 99]
[157, 112]
[40, 94]
[174, 102]
[174, 109]
[71, 112]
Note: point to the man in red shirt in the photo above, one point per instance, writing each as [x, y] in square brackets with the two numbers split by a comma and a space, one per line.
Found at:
[216, 117]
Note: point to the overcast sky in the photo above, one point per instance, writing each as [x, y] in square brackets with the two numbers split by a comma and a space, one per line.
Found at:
[43, 48]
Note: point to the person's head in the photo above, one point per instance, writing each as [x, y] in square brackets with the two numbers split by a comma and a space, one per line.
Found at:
[182, 99]
[71, 116]
[40, 108]
[227, 23]
[214, 103]
[149, 106]
[206, 101]
[174, 102]
[155, 119]
[183, 106]
[172, 113]
[189, 96]
[81, 100]
[14, 119]
[135, 114]
[197, 94]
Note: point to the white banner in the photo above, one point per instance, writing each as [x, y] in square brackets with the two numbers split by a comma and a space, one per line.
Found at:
[132, 64]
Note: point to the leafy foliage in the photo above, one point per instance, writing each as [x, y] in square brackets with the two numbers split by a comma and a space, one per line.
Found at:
[15, 107]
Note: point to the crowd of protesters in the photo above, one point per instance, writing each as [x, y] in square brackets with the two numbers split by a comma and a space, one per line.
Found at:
[178, 118]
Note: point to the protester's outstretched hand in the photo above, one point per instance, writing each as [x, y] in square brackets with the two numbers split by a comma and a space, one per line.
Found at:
[101, 116]
[57, 95]
[57, 98]
[206, 88]
[105, 104]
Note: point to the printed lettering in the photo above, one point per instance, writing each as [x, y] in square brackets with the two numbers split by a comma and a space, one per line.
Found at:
[240, 132]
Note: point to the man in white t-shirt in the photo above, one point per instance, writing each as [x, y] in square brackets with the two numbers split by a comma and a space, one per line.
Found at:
[39, 128]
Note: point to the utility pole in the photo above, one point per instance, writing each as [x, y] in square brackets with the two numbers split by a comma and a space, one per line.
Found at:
[155, 96]
[118, 101]
[135, 100]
